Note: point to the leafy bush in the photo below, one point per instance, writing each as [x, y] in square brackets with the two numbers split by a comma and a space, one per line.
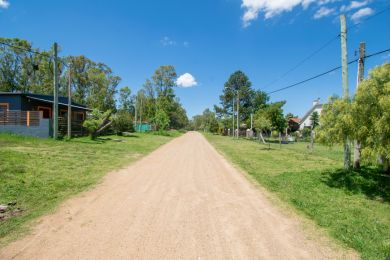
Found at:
[122, 122]
[96, 122]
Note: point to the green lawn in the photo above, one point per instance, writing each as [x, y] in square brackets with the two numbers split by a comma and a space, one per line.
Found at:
[38, 174]
[353, 207]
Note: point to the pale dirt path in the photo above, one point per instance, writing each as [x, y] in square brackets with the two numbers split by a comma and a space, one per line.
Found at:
[183, 201]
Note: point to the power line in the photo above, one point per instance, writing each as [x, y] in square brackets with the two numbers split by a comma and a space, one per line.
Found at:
[370, 17]
[326, 44]
[304, 60]
[25, 49]
[325, 73]
[32, 51]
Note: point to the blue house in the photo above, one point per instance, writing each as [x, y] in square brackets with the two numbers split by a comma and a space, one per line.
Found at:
[31, 114]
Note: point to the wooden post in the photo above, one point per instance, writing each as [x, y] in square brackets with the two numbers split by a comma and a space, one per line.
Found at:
[357, 148]
[233, 132]
[55, 96]
[28, 118]
[140, 116]
[69, 104]
[135, 114]
[344, 64]
[238, 112]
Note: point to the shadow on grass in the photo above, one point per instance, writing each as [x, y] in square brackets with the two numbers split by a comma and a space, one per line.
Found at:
[369, 181]
[130, 136]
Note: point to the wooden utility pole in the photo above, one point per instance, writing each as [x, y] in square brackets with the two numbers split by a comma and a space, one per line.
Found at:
[238, 114]
[140, 116]
[69, 104]
[360, 76]
[55, 96]
[135, 114]
[233, 132]
[344, 73]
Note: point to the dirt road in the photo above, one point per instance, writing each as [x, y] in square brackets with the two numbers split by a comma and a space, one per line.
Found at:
[183, 201]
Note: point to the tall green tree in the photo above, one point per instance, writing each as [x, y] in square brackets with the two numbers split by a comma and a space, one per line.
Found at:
[164, 79]
[315, 119]
[275, 115]
[238, 85]
[370, 115]
[125, 99]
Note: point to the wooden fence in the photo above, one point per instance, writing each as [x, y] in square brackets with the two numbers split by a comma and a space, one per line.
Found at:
[17, 117]
[77, 127]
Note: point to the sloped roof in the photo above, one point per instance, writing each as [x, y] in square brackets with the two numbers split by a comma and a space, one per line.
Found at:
[295, 119]
[48, 99]
[308, 113]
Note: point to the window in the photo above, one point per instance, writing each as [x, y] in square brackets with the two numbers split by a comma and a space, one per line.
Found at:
[63, 113]
[46, 112]
[4, 106]
[79, 116]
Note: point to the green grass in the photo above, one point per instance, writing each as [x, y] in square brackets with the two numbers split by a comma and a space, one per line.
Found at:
[353, 207]
[38, 174]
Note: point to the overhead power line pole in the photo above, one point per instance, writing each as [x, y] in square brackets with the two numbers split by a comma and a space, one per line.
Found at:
[233, 132]
[344, 73]
[55, 101]
[360, 76]
[135, 113]
[140, 115]
[238, 112]
[69, 104]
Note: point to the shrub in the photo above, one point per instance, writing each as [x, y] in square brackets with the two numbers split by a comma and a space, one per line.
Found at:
[122, 122]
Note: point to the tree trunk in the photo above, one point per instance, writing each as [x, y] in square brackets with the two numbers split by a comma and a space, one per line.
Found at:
[385, 163]
[280, 139]
[311, 139]
[356, 155]
[347, 155]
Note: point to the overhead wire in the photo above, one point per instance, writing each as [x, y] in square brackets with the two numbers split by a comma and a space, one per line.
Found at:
[326, 44]
[324, 73]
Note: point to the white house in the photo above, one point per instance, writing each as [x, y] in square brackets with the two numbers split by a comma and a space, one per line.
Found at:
[305, 121]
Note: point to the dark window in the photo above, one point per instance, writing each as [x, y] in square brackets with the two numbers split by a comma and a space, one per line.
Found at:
[46, 112]
[4, 106]
[79, 116]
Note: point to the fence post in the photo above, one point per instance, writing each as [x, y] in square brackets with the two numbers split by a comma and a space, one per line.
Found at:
[28, 118]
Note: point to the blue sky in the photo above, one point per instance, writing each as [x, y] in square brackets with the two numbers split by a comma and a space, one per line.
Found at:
[208, 39]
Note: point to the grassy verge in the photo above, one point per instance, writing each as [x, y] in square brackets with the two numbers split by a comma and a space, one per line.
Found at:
[354, 207]
[37, 174]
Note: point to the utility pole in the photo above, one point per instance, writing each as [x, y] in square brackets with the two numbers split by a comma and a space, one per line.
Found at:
[140, 116]
[344, 65]
[55, 101]
[135, 114]
[251, 121]
[233, 132]
[238, 114]
[360, 76]
[69, 104]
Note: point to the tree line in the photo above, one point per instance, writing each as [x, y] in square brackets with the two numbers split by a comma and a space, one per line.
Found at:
[26, 69]
[240, 100]
[363, 119]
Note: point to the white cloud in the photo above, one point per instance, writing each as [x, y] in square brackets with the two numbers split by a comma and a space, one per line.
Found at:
[186, 81]
[353, 5]
[361, 13]
[4, 4]
[324, 11]
[166, 41]
[270, 8]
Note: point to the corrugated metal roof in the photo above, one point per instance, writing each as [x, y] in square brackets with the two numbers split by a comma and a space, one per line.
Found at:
[47, 98]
